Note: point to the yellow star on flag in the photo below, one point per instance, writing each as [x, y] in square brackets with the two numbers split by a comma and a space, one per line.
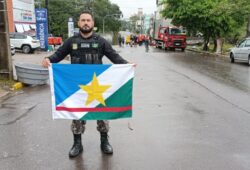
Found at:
[95, 91]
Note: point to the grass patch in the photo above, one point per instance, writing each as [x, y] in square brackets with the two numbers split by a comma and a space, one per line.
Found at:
[225, 49]
[5, 83]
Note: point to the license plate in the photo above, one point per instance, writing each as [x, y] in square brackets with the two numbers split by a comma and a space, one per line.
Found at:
[177, 44]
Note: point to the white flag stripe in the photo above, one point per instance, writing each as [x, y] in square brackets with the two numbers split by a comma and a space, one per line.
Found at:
[53, 101]
[67, 115]
[116, 76]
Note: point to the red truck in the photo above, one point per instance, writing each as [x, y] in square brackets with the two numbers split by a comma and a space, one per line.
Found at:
[54, 40]
[169, 38]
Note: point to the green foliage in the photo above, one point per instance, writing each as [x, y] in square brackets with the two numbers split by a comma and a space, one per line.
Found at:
[213, 18]
[6, 83]
[60, 10]
[133, 19]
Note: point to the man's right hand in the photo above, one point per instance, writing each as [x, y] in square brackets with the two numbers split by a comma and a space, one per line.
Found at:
[46, 62]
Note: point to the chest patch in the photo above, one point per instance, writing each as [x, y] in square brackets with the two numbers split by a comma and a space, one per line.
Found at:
[85, 45]
[95, 45]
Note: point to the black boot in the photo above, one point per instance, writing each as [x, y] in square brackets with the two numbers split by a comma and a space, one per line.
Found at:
[77, 146]
[105, 146]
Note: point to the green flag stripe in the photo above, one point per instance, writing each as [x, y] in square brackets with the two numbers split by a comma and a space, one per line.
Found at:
[107, 115]
[122, 97]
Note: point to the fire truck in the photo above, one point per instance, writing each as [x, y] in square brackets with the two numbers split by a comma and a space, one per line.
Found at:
[170, 38]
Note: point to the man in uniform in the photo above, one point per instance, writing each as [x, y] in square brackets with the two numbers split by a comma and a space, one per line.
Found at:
[86, 48]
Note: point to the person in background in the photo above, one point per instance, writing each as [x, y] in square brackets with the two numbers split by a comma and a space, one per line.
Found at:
[120, 40]
[146, 42]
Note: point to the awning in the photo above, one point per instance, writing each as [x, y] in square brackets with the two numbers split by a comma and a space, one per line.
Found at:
[19, 28]
[33, 26]
[26, 27]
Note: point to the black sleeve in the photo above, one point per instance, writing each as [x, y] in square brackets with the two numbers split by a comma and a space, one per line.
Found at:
[112, 54]
[61, 52]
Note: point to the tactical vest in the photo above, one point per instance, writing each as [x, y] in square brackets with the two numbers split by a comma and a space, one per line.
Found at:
[86, 51]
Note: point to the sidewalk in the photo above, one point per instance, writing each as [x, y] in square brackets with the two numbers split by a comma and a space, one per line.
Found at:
[191, 48]
[3, 94]
[35, 58]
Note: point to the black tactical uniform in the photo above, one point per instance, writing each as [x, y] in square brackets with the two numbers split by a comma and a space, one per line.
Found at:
[87, 51]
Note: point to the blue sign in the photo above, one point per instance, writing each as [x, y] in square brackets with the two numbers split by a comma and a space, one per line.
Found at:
[42, 27]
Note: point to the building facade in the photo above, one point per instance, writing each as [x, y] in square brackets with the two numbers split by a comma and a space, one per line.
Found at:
[21, 15]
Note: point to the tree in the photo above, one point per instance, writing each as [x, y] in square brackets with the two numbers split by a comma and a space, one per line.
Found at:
[215, 19]
[133, 21]
[61, 10]
[248, 27]
[103, 8]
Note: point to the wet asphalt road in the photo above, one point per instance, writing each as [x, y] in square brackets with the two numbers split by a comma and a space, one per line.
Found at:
[191, 112]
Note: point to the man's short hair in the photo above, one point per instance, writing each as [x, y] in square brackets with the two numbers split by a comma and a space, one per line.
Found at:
[87, 12]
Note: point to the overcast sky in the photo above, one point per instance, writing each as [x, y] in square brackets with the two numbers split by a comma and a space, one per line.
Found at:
[130, 7]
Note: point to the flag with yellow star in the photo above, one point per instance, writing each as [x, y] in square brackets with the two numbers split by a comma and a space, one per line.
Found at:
[91, 91]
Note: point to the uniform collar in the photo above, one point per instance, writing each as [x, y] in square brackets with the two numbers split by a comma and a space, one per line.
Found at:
[93, 35]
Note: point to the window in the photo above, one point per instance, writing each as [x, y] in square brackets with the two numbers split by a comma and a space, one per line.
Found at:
[20, 36]
[247, 43]
[242, 43]
[167, 31]
[175, 31]
[162, 30]
[11, 35]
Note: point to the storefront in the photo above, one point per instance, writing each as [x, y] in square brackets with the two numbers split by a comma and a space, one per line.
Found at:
[23, 12]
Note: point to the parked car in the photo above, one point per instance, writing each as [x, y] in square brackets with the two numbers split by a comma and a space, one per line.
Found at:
[24, 42]
[241, 52]
[12, 49]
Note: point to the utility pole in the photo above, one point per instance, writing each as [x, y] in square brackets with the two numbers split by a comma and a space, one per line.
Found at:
[5, 56]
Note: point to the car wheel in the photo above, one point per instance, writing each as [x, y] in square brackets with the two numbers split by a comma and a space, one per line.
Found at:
[232, 57]
[249, 60]
[26, 49]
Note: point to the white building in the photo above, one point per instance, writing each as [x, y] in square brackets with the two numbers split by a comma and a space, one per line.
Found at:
[24, 15]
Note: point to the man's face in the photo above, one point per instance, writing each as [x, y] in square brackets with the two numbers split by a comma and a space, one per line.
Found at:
[85, 23]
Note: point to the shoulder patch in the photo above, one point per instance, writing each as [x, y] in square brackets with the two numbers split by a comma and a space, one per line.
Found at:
[74, 46]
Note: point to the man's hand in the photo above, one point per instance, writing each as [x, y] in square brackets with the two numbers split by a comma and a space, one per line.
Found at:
[46, 62]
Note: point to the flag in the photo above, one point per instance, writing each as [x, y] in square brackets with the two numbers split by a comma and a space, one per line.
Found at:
[91, 91]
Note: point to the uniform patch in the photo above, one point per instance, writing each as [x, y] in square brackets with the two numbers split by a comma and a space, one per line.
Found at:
[95, 45]
[85, 45]
[74, 46]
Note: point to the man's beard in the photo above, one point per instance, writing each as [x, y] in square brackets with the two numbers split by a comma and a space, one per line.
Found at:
[86, 30]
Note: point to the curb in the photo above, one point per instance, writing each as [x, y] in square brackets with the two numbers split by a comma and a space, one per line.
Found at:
[6, 94]
[205, 52]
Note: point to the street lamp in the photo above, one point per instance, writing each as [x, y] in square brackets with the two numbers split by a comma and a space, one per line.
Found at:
[104, 20]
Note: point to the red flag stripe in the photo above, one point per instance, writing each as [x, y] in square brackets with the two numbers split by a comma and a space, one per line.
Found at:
[102, 109]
